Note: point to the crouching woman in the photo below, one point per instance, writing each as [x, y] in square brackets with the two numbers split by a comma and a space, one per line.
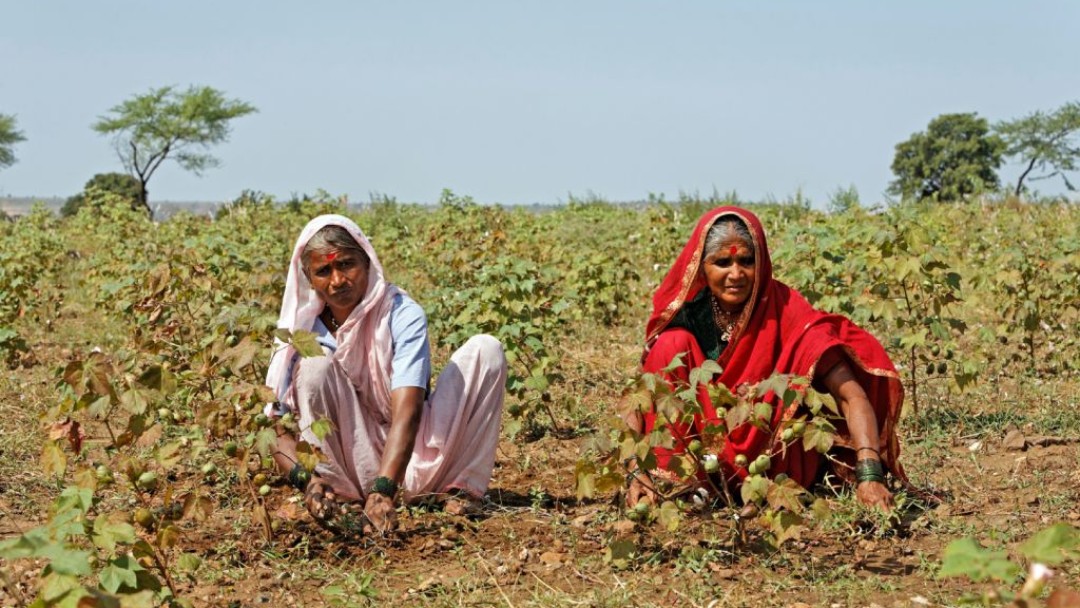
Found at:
[390, 438]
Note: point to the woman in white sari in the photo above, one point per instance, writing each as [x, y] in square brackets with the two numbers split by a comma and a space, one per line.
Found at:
[391, 437]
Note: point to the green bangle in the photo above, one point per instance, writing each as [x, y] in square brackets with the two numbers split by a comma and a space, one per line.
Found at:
[385, 486]
[299, 477]
[869, 470]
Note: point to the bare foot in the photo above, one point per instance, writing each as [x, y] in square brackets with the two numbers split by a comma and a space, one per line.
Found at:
[463, 505]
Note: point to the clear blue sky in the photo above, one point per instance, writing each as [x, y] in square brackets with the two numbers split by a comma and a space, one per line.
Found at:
[518, 102]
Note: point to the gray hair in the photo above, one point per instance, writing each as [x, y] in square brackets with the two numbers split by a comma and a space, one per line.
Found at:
[723, 229]
[331, 238]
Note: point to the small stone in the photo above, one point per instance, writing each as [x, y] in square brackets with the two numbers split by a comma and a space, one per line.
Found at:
[729, 574]
[552, 558]
[581, 521]
[1014, 441]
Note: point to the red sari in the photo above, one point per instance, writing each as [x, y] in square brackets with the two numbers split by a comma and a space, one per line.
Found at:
[777, 332]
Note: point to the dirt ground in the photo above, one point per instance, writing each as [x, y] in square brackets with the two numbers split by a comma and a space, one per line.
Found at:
[536, 545]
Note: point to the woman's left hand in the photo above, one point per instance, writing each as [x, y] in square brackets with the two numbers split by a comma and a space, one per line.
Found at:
[380, 511]
[874, 494]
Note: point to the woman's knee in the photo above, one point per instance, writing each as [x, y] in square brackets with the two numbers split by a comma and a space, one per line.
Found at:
[312, 373]
[670, 343]
[486, 348]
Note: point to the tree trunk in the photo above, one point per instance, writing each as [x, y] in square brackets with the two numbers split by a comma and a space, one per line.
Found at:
[1020, 182]
[144, 199]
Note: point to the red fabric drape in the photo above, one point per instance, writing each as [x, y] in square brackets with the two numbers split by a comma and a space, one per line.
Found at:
[778, 332]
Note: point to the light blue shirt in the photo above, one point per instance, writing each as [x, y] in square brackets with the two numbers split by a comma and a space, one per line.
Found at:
[411, 365]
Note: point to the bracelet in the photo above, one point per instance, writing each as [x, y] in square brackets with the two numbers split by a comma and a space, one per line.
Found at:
[385, 486]
[869, 470]
[299, 477]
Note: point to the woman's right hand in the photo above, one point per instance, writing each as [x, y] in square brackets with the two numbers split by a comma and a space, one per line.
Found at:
[319, 499]
[874, 494]
[641, 490]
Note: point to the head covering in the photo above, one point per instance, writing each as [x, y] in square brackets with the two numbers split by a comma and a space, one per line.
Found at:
[364, 342]
[685, 279]
[778, 331]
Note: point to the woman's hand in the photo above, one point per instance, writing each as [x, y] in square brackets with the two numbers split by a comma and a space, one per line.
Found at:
[874, 494]
[320, 500]
[641, 490]
[380, 511]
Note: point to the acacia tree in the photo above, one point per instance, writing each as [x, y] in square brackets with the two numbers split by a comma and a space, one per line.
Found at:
[9, 136]
[1046, 142]
[166, 123]
[956, 156]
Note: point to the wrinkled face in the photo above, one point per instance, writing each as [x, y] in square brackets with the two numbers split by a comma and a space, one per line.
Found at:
[729, 273]
[339, 277]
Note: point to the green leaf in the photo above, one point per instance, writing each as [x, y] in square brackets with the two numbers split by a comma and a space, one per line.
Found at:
[59, 588]
[135, 401]
[712, 367]
[737, 415]
[786, 525]
[754, 489]
[669, 515]
[108, 532]
[308, 456]
[537, 383]
[53, 460]
[763, 413]
[306, 343]
[819, 435]
[786, 494]
[321, 428]
[721, 396]
[197, 507]
[188, 562]
[265, 440]
[114, 577]
[776, 383]
[675, 364]
[1054, 545]
[965, 557]
[681, 466]
[151, 377]
[620, 553]
[585, 478]
[64, 560]
[168, 454]
[25, 545]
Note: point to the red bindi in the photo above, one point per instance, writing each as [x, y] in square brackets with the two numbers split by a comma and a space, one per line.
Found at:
[330, 256]
[734, 250]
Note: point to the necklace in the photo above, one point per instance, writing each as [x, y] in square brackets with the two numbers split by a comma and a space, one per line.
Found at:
[331, 321]
[724, 320]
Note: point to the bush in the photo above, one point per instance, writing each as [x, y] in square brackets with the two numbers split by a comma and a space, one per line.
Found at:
[120, 185]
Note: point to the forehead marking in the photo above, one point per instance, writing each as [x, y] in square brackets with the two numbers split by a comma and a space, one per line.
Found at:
[733, 250]
[330, 256]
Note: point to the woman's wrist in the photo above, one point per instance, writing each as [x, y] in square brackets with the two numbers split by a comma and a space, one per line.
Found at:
[384, 486]
[869, 470]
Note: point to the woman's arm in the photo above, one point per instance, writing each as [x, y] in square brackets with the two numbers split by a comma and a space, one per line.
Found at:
[863, 426]
[406, 408]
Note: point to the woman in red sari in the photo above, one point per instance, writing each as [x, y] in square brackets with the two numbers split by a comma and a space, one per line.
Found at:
[719, 301]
